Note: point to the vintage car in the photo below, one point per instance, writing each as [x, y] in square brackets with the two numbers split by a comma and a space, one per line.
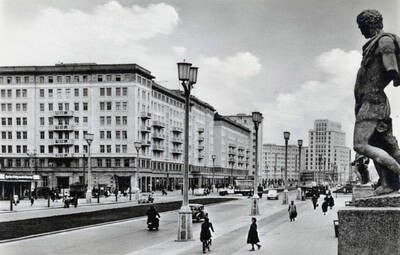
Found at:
[198, 212]
[273, 194]
[146, 198]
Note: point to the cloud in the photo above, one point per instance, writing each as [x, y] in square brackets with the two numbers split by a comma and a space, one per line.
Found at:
[107, 33]
[179, 51]
[225, 82]
[328, 97]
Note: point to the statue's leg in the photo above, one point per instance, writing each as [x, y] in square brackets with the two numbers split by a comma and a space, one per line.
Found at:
[392, 147]
[363, 131]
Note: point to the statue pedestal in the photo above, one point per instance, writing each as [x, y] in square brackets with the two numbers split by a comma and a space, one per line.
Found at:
[362, 191]
[372, 227]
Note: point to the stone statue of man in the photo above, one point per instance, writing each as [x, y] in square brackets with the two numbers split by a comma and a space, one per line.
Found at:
[373, 137]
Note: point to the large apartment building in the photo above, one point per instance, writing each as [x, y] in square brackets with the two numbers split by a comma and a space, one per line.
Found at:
[327, 157]
[273, 163]
[47, 110]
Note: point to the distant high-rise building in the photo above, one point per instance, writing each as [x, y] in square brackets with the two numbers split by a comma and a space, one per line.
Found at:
[327, 153]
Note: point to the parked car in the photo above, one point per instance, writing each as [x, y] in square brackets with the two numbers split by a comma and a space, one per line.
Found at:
[226, 191]
[198, 212]
[199, 192]
[146, 198]
[272, 194]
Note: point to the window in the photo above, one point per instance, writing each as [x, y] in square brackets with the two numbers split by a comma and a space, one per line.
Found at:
[18, 79]
[9, 93]
[102, 120]
[117, 120]
[108, 91]
[76, 148]
[84, 78]
[124, 106]
[124, 134]
[76, 92]
[24, 107]
[41, 106]
[76, 106]
[42, 149]
[85, 92]
[50, 92]
[76, 120]
[124, 120]
[108, 134]
[124, 91]
[3, 121]
[9, 121]
[50, 120]
[108, 162]
[126, 162]
[42, 135]
[101, 134]
[3, 93]
[67, 92]
[41, 93]
[24, 93]
[24, 121]
[100, 162]
[102, 92]
[9, 107]
[60, 106]
[118, 91]
[26, 79]
[99, 78]
[117, 134]
[117, 162]
[68, 79]
[117, 106]
[85, 106]
[108, 148]
[76, 134]
[102, 148]
[59, 79]
[117, 148]
[108, 77]
[85, 119]
[124, 148]
[18, 121]
[109, 106]
[76, 78]
[51, 135]
[50, 106]
[18, 135]
[108, 120]
[41, 79]
[118, 77]
[18, 93]
[42, 121]
[102, 106]
[50, 79]
[59, 91]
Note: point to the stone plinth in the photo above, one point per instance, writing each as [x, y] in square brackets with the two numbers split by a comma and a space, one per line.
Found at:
[362, 191]
[254, 210]
[185, 224]
[389, 200]
[369, 231]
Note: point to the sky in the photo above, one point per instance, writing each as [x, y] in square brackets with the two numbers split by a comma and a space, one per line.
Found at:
[293, 60]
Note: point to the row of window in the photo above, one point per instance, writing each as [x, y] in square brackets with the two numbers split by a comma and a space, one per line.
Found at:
[62, 121]
[61, 135]
[19, 121]
[18, 93]
[119, 91]
[18, 107]
[118, 148]
[107, 106]
[64, 106]
[18, 134]
[18, 148]
[67, 92]
[76, 79]
[119, 134]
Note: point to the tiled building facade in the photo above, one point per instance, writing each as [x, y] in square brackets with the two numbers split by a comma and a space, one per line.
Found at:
[47, 110]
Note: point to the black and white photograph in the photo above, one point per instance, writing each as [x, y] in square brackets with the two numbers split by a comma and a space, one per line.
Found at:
[176, 127]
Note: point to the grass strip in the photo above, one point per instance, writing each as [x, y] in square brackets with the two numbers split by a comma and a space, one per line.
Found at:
[21, 228]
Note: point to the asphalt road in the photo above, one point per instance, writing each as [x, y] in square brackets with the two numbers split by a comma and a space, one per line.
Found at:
[231, 221]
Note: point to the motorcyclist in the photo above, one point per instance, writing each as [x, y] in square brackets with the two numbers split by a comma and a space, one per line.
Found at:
[152, 215]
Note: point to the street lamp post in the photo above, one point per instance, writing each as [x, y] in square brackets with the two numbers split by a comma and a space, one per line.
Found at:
[319, 165]
[286, 136]
[300, 144]
[188, 76]
[257, 119]
[138, 146]
[213, 171]
[33, 156]
[89, 139]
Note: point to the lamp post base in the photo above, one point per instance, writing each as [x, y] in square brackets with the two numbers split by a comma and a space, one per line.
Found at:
[298, 194]
[285, 197]
[185, 224]
[88, 197]
[254, 206]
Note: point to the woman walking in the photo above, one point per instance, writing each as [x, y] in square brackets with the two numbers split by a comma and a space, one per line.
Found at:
[252, 237]
[205, 234]
[292, 211]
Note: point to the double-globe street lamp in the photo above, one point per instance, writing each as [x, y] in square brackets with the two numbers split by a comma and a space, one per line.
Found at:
[138, 146]
[89, 139]
[257, 119]
[299, 196]
[188, 76]
[33, 156]
[286, 136]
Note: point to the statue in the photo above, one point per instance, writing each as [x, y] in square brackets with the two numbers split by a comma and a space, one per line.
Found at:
[373, 136]
[361, 165]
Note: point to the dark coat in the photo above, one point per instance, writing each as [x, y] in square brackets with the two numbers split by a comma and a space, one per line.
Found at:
[205, 233]
[252, 237]
[292, 211]
[324, 206]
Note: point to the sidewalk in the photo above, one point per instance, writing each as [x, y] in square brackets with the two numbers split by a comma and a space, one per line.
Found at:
[40, 209]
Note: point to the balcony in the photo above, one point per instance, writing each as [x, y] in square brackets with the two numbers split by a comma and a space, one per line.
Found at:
[201, 130]
[177, 140]
[157, 123]
[231, 145]
[200, 148]
[63, 113]
[231, 152]
[158, 147]
[64, 155]
[145, 115]
[158, 136]
[62, 127]
[177, 151]
[177, 129]
[145, 129]
[146, 143]
[201, 156]
[200, 139]
[62, 142]
[231, 160]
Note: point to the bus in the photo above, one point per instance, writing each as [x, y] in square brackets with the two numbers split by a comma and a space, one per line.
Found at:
[244, 187]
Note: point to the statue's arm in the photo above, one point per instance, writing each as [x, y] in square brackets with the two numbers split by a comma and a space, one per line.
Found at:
[388, 53]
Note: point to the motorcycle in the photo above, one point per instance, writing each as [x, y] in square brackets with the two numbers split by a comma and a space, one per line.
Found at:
[153, 224]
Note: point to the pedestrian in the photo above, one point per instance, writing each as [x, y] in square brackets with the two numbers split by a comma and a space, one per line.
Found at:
[164, 192]
[252, 237]
[324, 207]
[205, 234]
[292, 211]
[315, 201]
[32, 200]
[330, 201]
[260, 190]
[76, 201]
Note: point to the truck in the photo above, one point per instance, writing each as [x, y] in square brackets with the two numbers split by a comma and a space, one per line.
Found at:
[244, 187]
